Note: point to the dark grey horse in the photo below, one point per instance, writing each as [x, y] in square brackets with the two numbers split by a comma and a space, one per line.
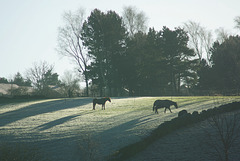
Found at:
[101, 101]
[163, 103]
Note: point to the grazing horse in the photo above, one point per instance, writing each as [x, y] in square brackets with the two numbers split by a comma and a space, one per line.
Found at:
[101, 101]
[163, 103]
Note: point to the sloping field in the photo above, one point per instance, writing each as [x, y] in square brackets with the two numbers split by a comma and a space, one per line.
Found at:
[68, 129]
[197, 142]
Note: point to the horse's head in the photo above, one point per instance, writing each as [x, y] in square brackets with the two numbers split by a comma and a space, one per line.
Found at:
[175, 104]
[108, 99]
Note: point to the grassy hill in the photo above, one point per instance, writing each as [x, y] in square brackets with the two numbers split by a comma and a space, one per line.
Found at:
[68, 129]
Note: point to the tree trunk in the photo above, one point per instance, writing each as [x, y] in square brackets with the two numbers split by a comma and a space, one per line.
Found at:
[178, 84]
[86, 81]
[101, 91]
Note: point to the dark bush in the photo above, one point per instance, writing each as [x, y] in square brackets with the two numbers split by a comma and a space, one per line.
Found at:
[182, 113]
[195, 114]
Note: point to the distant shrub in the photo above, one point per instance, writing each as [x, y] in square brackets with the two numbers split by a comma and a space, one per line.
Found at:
[18, 91]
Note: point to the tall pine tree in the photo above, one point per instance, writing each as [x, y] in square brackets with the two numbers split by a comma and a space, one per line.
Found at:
[104, 36]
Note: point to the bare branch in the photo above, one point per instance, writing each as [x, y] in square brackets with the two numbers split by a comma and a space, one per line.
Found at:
[222, 34]
[69, 42]
[135, 21]
[200, 39]
[237, 22]
[227, 129]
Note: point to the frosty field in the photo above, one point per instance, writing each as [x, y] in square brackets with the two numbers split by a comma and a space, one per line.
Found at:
[68, 129]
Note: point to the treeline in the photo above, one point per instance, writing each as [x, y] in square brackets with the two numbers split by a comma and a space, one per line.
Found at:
[153, 63]
[40, 81]
[120, 56]
[117, 55]
[224, 73]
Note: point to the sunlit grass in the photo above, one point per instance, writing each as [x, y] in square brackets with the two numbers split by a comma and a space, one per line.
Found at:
[124, 121]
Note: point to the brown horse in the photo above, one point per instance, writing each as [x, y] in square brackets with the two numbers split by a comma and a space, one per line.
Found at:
[101, 101]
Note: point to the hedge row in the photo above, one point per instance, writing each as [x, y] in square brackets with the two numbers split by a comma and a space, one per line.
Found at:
[184, 119]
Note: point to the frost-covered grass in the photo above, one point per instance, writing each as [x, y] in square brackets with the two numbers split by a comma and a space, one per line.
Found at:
[68, 129]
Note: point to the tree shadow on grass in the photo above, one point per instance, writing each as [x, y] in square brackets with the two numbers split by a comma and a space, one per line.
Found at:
[123, 134]
[60, 121]
[41, 108]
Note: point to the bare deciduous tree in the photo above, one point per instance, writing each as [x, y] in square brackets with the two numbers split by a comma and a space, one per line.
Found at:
[222, 34]
[89, 147]
[200, 39]
[134, 20]
[37, 75]
[237, 22]
[207, 43]
[227, 131]
[194, 32]
[70, 43]
[70, 84]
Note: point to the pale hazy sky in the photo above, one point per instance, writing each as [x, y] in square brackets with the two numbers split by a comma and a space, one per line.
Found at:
[29, 28]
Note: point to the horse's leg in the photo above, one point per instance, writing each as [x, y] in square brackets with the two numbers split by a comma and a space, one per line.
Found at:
[169, 109]
[94, 104]
[165, 109]
[156, 110]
